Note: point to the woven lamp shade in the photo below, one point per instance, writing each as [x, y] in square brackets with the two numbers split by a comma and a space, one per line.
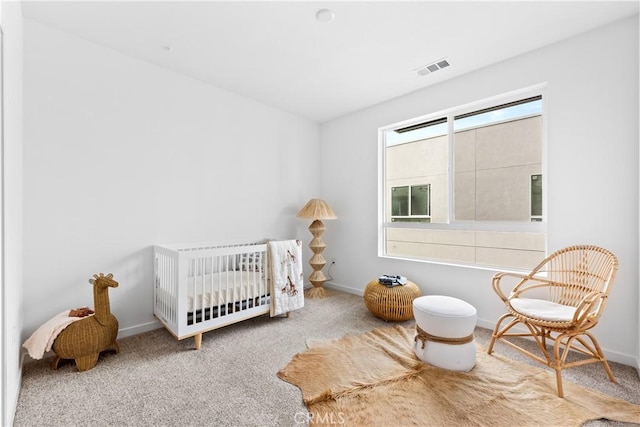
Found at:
[316, 209]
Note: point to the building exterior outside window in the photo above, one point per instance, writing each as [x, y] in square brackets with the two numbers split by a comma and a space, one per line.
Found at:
[463, 187]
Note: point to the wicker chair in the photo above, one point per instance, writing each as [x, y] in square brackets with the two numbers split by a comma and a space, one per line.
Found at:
[560, 300]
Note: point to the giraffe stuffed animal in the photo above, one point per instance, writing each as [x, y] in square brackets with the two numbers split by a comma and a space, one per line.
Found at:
[85, 339]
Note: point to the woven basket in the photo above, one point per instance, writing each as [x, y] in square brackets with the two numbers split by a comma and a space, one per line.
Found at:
[85, 339]
[393, 304]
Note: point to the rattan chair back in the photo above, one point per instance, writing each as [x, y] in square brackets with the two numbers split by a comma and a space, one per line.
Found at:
[575, 272]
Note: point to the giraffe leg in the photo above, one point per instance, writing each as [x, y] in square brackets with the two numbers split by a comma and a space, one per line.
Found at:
[85, 363]
[116, 346]
[54, 365]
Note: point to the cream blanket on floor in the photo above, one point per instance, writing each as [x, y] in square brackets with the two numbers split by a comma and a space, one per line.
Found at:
[42, 339]
[287, 282]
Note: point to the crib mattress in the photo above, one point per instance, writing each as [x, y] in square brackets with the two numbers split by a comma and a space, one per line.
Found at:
[220, 289]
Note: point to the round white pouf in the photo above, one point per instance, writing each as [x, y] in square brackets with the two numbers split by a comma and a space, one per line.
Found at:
[446, 318]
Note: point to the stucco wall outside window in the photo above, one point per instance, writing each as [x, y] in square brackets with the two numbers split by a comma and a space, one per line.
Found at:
[494, 174]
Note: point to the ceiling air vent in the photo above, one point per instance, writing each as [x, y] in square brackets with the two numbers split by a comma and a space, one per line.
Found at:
[433, 67]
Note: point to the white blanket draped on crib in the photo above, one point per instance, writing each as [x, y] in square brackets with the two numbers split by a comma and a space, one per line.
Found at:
[287, 293]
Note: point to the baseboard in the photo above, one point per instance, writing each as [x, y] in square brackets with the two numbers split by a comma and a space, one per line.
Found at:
[622, 358]
[138, 329]
[625, 359]
[612, 356]
[487, 324]
[10, 414]
[343, 288]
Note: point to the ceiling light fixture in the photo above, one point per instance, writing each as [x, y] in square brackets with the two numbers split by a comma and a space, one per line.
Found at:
[325, 16]
[433, 67]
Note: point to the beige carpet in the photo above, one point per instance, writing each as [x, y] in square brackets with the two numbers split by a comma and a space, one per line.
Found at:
[374, 379]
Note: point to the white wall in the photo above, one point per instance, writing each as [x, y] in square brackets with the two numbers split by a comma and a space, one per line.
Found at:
[12, 187]
[592, 172]
[120, 155]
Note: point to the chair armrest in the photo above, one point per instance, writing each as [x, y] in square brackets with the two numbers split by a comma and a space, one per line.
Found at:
[527, 282]
[496, 282]
[586, 305]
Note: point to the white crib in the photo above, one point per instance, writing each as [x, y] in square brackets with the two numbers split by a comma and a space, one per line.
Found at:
[203, 287]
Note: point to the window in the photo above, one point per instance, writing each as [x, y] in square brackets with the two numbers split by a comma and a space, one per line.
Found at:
[411, 203]
[466, 185]
[536, 198]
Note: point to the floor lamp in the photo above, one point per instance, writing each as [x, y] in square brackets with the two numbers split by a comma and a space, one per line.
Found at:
[317, 210]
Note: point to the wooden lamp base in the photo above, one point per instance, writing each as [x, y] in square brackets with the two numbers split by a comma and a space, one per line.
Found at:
[317, 262]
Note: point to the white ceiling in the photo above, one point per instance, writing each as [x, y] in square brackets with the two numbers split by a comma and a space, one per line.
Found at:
[277, 53]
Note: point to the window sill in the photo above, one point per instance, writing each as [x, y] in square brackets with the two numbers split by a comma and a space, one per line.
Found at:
[494, 269]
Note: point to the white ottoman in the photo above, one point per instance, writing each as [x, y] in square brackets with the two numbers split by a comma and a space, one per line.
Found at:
[444, 332]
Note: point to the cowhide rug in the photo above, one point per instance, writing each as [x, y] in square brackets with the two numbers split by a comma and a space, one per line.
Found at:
[376, 380]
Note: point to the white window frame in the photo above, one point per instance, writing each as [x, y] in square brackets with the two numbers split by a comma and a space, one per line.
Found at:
[453, 224]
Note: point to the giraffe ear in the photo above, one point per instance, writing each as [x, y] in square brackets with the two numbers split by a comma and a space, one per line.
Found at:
[93, 282]
[109, 276]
